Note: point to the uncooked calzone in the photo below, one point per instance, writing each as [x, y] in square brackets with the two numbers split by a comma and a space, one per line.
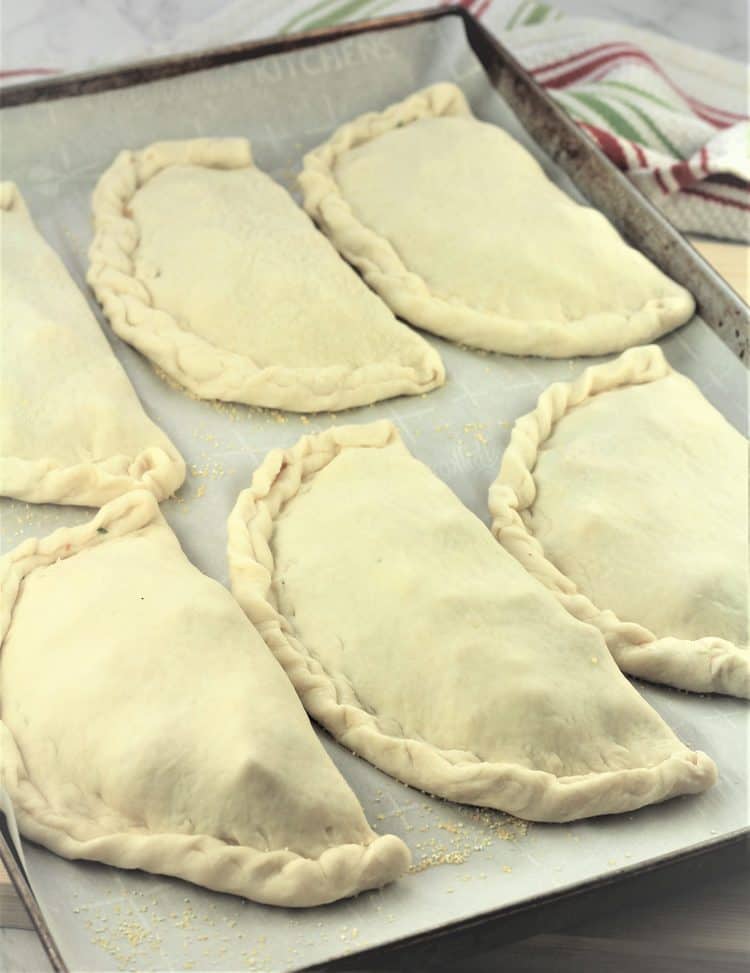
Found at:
[625, 492]
[146, 725]
[458, 229]
[423, 646]
[71, 427]
[208, 267]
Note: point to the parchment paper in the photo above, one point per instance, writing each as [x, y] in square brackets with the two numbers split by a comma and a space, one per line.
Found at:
[106, 919]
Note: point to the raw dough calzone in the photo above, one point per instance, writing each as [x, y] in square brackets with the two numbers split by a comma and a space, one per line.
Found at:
[208, 267]
[625, 492]
[146, 725]
[71, 427]
[458, 229]
[423, 646]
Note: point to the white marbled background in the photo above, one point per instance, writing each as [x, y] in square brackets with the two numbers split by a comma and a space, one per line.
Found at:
[70, 35]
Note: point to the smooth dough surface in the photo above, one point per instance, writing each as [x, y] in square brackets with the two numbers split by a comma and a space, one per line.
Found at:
[72, 429]
[209, 268]
[424, 647]
[458, 228]
[635, 488]
[146, 725]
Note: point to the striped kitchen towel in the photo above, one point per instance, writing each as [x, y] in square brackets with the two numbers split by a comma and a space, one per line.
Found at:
[674, 118]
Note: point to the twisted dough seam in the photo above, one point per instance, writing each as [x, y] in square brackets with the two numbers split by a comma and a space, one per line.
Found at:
[96, 482]
[279, 877]
[708, 664]
[206, 370]
[411, 297]
[458, 775]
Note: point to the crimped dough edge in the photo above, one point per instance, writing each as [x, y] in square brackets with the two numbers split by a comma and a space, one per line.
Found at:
[703, 665]
[200, 366]
[410, 296]
[85, 484]
[457, 775]
[279, 877]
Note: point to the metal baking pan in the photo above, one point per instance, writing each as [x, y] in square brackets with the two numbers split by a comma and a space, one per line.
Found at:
[480, 880]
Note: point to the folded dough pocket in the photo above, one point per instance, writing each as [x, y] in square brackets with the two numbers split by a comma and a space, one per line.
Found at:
[146, 725]
[208, 267]
[71, 427]
[460, 231]
[423, 646]
[625, 492]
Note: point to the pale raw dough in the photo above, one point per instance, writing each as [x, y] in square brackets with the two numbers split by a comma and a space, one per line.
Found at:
[458, 229]
[423, 646]
[146, 725]
[209, 268]
[626, 490]
[72, 429]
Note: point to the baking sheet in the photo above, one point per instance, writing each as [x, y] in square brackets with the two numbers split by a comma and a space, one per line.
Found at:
[468, 862]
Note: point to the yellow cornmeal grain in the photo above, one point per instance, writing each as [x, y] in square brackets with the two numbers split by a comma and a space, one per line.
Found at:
[464, 841]
[173, 383]
[213, 470]
[454, 828]
[456, 834]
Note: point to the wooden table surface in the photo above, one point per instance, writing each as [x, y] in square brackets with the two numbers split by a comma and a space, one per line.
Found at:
[702, 929]
[698, 930]
[732, 261]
